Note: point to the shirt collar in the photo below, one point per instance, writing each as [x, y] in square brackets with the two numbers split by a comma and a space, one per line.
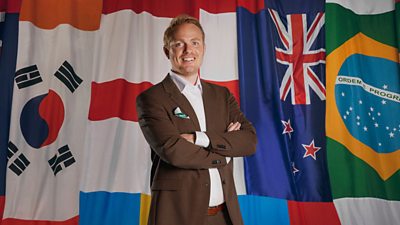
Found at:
[182, 83]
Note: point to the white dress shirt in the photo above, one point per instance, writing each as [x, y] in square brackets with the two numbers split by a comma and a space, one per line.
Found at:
[193, 94]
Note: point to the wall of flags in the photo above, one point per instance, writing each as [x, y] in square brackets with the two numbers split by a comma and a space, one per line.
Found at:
[320, 81]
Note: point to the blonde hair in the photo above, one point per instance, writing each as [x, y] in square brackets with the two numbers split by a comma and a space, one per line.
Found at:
[175, 23]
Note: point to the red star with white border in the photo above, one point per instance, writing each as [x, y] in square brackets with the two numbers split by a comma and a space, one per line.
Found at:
[311, 150]
[288, 128]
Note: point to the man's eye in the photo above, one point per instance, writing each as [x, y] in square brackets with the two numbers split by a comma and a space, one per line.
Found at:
[178, 44]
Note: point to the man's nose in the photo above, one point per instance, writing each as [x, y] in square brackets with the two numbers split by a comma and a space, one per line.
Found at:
[188, 48]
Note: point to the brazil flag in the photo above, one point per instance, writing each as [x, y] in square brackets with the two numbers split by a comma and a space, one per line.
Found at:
[363, 109]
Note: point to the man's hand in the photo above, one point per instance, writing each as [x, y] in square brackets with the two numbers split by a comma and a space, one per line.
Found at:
[188, 137]
[234, 126]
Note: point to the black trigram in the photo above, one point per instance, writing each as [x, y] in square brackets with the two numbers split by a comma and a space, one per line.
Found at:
[63, 157]
[67, 75]
[12, 149]
[27, 76]
[20, 163]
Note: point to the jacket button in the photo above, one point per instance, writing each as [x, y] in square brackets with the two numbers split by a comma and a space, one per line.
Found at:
[206, 184]
[216, 161]
[221, 146]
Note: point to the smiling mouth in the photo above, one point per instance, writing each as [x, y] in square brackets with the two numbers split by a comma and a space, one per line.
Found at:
[188, 59]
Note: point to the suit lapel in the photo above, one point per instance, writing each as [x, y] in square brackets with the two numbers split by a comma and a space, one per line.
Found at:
[180, 100]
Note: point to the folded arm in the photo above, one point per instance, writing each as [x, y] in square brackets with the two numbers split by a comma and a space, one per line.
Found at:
[165, 139]
[239, 139]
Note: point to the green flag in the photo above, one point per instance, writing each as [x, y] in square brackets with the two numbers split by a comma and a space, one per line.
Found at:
[363, 109]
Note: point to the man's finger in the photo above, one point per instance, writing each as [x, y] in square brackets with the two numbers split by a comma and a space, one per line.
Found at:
[229, 126]
[239, 125]
[188, 137]
[235, 126]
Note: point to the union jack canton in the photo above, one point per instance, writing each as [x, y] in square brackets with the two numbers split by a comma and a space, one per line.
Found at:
[297, 39]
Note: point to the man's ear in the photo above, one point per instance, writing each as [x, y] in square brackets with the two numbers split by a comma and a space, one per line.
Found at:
[166, 52]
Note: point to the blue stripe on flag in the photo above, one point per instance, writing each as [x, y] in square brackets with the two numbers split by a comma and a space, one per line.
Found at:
[105, 208]
[258, 210]
[8, 58]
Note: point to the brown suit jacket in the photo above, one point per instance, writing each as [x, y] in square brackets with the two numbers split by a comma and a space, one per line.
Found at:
[180, 178]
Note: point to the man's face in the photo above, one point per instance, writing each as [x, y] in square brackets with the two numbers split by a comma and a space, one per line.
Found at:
[186, 50]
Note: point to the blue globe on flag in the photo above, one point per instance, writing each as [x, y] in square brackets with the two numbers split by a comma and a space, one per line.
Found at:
[368, 100]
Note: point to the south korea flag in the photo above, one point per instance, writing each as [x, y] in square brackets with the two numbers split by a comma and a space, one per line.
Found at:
[49, 118]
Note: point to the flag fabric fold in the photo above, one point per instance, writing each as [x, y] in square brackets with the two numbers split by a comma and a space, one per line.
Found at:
[319, 80]
[363, 90]
[74, 140]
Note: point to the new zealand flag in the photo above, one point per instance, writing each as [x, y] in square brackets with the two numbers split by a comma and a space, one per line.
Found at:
[282, 84]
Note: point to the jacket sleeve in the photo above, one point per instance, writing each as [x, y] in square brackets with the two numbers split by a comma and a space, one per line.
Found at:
[235, 143]
[164, 138]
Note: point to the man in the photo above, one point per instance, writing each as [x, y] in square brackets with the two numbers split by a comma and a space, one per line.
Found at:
[194, 128]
